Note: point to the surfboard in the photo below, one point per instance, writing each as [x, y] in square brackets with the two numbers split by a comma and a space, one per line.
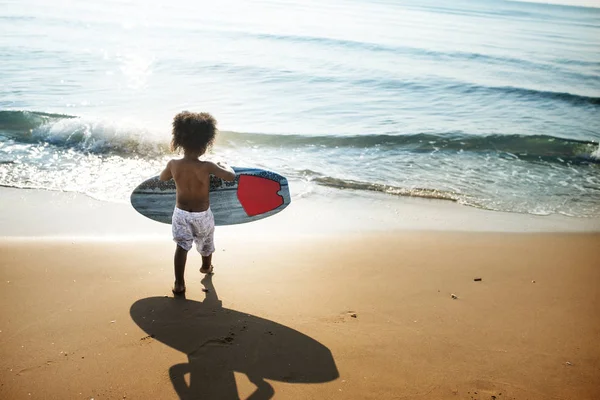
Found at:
[254, 194]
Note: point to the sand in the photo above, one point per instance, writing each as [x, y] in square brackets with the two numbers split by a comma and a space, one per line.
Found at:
[355, 316]
[326, 212]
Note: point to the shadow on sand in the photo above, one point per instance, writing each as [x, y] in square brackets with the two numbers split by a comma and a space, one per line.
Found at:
[219, 341]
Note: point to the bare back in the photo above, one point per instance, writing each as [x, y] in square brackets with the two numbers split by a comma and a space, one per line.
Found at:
[192, 181]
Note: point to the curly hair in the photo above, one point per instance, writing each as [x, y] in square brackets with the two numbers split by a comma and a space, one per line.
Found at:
[193, 131]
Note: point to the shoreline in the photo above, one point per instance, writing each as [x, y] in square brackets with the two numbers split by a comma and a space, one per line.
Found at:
[319, 301]
[43, 213]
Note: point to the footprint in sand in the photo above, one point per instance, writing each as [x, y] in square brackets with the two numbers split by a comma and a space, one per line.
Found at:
[342, 317]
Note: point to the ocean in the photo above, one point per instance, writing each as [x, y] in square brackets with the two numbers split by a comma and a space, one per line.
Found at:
[487, 103]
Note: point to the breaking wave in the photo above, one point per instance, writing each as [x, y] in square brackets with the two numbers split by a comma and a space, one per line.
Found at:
[106, 137]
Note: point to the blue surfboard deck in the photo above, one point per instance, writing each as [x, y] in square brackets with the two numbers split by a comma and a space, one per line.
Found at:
[254, 194]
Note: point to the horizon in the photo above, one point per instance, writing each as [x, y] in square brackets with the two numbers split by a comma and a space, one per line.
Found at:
[573, 3]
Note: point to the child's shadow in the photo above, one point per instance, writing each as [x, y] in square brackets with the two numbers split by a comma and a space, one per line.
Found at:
[219, 341]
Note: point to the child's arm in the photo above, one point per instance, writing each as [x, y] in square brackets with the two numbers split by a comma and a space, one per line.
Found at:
[222, 171]
[166, 174]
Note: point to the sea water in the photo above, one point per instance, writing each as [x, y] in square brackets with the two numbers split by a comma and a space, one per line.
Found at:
[488, 103]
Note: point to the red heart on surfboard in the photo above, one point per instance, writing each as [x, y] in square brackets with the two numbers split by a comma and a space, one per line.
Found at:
[258, 195]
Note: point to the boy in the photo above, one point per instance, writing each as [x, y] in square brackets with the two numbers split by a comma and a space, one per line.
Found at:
[192, 219]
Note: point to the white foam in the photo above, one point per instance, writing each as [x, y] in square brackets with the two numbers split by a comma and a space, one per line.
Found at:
[101, 135]
[596, 154]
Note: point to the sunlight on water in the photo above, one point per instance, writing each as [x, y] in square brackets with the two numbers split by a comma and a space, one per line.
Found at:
[487, 103]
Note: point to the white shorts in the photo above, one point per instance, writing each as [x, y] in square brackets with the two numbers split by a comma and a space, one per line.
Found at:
[189, 227]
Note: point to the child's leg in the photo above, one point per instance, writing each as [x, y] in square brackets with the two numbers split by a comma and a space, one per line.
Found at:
[206, 264]
[179, 261]
[204, 230]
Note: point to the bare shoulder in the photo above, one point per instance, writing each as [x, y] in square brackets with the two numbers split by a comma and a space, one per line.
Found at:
[209, 165]
[204, 167]
[174, 163]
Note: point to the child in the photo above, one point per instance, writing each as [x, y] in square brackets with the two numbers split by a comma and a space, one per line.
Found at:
[192, 219]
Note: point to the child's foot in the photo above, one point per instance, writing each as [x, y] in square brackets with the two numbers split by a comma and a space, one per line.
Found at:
[208, 270]
[179, 288]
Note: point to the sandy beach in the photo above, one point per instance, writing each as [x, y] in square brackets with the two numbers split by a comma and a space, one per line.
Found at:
[357, 315]
[443, 164]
